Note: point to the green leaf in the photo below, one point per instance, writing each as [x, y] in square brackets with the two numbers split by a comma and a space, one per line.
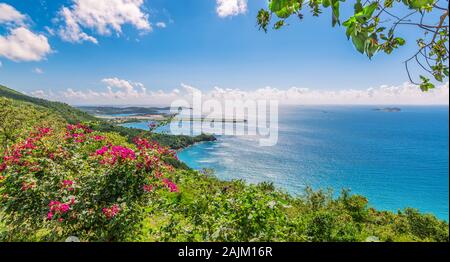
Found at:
[358, 7]
[335, 11]
[278, 24]
[388, 3]
[368, 10]
[359, 42]
[400, 41]
[426, 85]
[284, 8]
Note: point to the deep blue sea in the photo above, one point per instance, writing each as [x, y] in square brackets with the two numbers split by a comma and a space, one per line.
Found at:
[395, 159]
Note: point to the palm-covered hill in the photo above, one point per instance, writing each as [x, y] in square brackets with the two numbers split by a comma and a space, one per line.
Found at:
[59, 179]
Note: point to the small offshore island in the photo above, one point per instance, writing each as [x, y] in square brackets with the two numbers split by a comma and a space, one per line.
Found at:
[388, 109]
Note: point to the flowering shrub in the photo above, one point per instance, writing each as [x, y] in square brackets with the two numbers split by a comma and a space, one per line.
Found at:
[80, 183]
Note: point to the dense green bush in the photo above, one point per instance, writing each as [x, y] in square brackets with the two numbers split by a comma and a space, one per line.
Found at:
[207, 209]
[79, 183]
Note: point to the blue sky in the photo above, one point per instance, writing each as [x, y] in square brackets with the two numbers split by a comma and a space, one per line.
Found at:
[199, 48]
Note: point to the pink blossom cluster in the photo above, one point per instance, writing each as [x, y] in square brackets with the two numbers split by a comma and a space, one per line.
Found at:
[99, 138]
[77, 132]
[170, 185]
[142, 143]
[58, 208]
[78, 127]
[68, 184]
[111, 211]
[13, 156]
[112, 154]
[148, 188]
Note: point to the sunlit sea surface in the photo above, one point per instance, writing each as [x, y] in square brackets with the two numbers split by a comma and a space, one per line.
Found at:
[396, 159]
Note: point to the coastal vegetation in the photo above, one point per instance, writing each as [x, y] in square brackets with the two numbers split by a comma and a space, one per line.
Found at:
[101, 182]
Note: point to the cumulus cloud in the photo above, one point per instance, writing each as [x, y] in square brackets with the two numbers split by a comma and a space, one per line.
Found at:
[23, 45]
[9, 14]
[102, 16]
[19, 43]
[231, 7]
[121, 92]
[72, 31]
[388, 95]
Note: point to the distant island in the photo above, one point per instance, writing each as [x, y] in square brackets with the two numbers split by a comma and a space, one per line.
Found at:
[111, 110]
[389, 109]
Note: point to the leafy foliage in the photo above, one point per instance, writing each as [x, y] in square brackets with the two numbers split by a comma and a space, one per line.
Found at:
[16, 119]
[80, 183]
[207, 209]
[373, 25]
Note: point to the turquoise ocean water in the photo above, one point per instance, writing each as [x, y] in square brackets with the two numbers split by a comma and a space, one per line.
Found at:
[396, 159]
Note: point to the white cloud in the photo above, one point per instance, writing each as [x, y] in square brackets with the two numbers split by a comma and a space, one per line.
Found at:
[38, 70]
[9, 14]
[388, 95]
[121, 92]
[231, 7]
[161, 25]
[23, 45]
[72, 31]
[39, 94]
[103, 17]
[128, 87]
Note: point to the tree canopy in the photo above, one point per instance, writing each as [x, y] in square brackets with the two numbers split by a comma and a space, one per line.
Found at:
[373, 28]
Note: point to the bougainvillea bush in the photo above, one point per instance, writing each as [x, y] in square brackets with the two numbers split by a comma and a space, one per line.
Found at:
[77, 182]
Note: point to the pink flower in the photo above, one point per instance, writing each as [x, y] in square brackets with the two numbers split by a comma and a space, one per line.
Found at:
[102, 151]
[171, 185]
[68, 182]
[49, 215]
[57, 207]
[142, 143]
[68, 185]
[148, 188]
[123, 152]
[111, 212]
[44, 131]
[64, 208]
[2, 167]
[99, 138]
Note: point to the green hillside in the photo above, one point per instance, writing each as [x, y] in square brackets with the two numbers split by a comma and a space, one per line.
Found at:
[73, 116]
